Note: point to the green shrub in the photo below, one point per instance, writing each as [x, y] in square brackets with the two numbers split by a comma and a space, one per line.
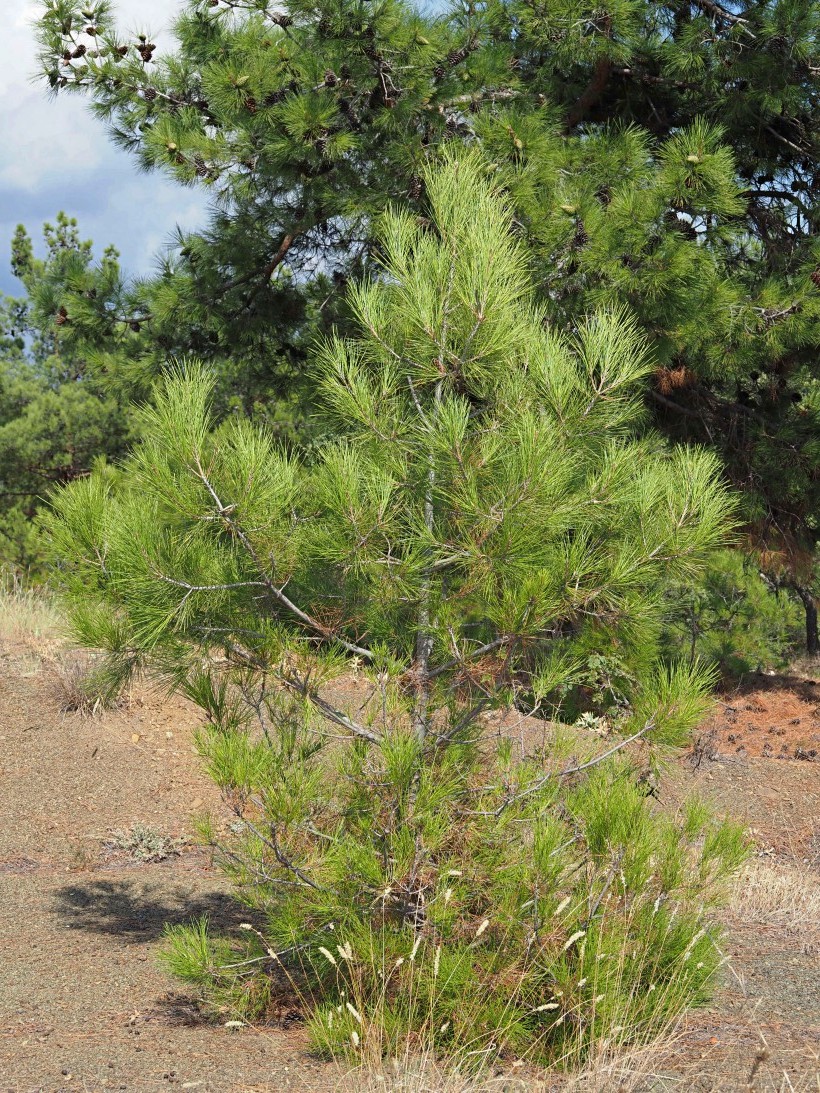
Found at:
[482, 905]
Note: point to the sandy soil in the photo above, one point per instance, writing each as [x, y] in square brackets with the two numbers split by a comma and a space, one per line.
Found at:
[85, 1006]
[83, 1003]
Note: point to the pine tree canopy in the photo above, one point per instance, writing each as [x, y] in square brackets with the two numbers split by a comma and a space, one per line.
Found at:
[660, 157]
[491, 513]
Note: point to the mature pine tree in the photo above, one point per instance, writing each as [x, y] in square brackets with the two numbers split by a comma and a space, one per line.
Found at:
[662, 156]
[490, 530]
[727, 99]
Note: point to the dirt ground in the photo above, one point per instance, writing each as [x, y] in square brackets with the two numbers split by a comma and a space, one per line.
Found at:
[85, 1006]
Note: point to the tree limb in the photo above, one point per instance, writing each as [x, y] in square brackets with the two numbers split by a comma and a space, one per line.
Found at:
[590, 95]
[225, 511]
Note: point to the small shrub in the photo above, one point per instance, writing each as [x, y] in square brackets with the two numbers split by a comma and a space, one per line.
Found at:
[145, 845]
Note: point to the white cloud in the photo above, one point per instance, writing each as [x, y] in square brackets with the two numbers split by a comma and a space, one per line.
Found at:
[54, 154]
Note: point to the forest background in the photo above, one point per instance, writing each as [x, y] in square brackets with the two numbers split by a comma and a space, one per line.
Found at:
[660, 157]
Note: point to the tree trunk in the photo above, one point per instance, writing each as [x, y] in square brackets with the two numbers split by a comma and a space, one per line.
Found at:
[809, 603]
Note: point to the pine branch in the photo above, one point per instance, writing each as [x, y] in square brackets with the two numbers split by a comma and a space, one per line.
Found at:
[538, 785]
[717, 11]
[263, 272]
[226, 513]
[301, 686]
[273, 844]
[456, 662]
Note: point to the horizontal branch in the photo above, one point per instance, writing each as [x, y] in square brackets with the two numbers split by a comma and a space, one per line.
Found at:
[505, 639]
[226, 511]
[301, 686]
[594, 762]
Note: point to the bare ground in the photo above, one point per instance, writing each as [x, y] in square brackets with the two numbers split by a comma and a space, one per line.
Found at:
[83, 1003]
[85, 1006]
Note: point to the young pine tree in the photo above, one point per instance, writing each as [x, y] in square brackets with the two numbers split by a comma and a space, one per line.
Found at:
[487, 534]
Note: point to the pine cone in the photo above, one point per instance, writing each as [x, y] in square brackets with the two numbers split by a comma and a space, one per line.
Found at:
[149, 94]
[283, 21]
[345, 72]
[414, 188]
[331, 79]
[80, 51]
[816, 278]
[581, 237]
[122, 50]
[274, 98]
[135, 326]
[439, 72]
[62, 317]
[250, 105]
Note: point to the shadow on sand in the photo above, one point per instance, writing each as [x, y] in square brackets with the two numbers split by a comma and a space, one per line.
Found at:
[138, 910]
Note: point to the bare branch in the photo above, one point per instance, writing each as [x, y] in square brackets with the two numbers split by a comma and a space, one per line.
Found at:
[497, 643]
[281, 857]
[594, 762]
[302, 687]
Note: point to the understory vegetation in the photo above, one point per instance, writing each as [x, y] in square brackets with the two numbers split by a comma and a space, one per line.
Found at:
[489, 530]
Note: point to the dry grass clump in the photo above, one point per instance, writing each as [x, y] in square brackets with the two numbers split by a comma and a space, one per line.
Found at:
[32, 626]
[780, 894]
[76, 683]
[145, 844]
[636, 1069]
[26, 612]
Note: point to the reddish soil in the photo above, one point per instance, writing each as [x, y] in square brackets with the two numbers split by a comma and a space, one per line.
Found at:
[772, 717]
[85, 1006]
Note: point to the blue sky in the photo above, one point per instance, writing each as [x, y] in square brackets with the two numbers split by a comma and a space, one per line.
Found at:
[54, 155]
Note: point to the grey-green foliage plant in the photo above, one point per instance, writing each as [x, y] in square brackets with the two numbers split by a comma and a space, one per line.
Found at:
[489, 527]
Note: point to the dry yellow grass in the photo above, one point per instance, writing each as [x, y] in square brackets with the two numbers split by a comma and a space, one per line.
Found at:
[782, 894]
[27, 614]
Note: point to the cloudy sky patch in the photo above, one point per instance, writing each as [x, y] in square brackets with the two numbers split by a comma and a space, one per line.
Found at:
[54, 155]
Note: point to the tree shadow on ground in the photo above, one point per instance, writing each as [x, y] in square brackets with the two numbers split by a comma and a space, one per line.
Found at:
[138, 911]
